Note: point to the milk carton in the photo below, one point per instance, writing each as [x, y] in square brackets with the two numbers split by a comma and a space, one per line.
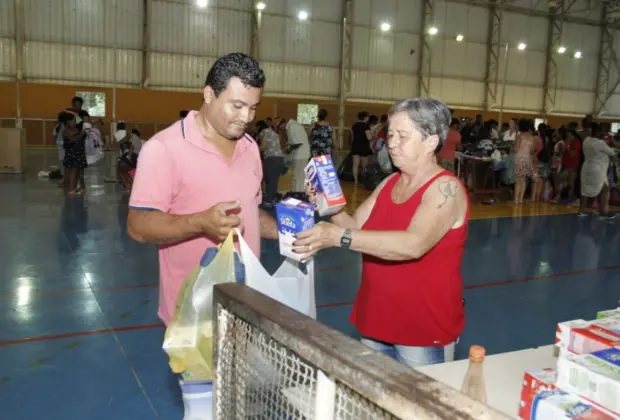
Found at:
[322, 176]
[559, 405]
[595, 377]
[582, 337]
[293, 216]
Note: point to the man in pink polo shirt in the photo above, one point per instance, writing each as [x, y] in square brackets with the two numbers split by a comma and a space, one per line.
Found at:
[197, 180]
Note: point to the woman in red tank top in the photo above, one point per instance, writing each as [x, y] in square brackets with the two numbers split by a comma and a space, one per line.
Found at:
[411, 232]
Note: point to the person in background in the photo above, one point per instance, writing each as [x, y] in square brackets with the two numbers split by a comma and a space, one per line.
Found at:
[196, 181]
[505, 127]
[556, 162]
[545, 153]
[322, 135]
[511, 133]
[121, 132]
[299, 148]
[375, 126]
[594, 181]
[381, 136]
[127, 165]
[136, 140]
[478, 123]
[75, 156]
[360, 144]
[571, 161]
[525, 150]
[536, 182]
[451, 145]
[273, 161]
[411, 232]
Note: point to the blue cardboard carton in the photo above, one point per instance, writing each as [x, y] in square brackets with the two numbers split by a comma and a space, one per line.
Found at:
[322, 176]
[293, 216]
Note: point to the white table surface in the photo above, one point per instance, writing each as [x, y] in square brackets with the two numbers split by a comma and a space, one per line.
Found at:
[503, 375]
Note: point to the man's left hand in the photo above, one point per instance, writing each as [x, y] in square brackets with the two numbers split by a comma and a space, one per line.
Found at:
[322, 236]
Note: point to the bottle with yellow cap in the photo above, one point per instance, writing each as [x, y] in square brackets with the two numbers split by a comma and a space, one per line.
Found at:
[473, 385]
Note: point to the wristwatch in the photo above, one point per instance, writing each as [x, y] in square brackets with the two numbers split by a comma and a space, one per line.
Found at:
[345, 240]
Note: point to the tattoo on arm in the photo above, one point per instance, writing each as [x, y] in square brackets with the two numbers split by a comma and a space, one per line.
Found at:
[448, 190]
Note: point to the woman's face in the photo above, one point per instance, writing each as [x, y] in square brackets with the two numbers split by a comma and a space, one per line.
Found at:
[511, 125]
[405, 142]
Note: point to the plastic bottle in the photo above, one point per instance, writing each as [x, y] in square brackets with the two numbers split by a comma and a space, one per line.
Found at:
[473, 385]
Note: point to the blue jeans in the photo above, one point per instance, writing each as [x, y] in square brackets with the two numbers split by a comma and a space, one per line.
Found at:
[411, 356]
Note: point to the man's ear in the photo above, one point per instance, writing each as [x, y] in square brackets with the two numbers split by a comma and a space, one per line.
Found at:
[208, 94]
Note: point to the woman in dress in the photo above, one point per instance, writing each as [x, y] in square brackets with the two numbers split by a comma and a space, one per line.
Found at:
[360, 145]
[75, 155]
[322, 136]
[525, 148]
[594, 181]
[411, 232]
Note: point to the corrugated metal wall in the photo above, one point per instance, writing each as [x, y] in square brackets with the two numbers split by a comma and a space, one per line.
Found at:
[101, 41]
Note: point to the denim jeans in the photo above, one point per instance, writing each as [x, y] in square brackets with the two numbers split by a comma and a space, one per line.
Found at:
[411, 356]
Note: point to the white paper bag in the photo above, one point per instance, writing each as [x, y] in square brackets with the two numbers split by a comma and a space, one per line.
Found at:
[289, 285]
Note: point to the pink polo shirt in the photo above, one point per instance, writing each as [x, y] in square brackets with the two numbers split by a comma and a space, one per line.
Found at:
[179, 172]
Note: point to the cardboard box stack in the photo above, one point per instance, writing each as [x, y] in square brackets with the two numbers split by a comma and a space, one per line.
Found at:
[586, 382]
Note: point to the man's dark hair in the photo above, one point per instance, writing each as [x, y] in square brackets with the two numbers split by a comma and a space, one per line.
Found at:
[384, 118]
[120, 126]
[233, 65]
[373, 119]
[362, 115]
[83, 114]
[135, 131]
[183, 113]
[322, 115]
[77, 99]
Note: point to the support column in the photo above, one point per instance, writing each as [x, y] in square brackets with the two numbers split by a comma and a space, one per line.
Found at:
[605, 86]
[257, 24]
[493, 52]
[554, 41]
[146, 43]
[345, 66]
[19, 60]
[424, 62]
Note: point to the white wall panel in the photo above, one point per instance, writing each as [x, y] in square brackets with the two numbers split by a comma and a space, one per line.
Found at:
[524, 67]
[403, 15]
[613, 106]
[7, 18]
[374, 50]
[81, 63]
[453, 18]
[179, 71]
[458, 92]
[113, 23]
[183, 28]
[531, 30]
[541, 6]
[522, 97]
[458, 60]
[7, 57]
[287, 40]
[574, 102]
[382, 86]
[301, 79]
[577, 74]
[589, 9]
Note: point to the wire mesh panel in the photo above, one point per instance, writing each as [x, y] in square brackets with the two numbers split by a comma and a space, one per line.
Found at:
[268, 358]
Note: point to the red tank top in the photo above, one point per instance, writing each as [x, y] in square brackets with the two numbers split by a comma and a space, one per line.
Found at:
[416, 302]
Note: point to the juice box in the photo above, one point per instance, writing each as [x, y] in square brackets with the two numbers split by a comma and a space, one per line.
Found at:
[608, 314]
[595, 377]
[581, 337]
[322, 176]
[541, 399]
[559, 405]
[293, 216]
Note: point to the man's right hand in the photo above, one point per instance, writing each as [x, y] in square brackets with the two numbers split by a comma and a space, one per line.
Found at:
[219, 220]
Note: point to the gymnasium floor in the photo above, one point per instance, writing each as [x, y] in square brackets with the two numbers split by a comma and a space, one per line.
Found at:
[79, 335]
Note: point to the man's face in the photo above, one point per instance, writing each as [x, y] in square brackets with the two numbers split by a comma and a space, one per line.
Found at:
[77, 105]
[233, 110]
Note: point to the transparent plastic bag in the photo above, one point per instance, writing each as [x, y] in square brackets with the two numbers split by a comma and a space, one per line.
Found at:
[189, 337]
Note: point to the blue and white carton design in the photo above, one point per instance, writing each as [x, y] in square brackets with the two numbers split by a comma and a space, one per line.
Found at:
[293, 216]
[322, 176]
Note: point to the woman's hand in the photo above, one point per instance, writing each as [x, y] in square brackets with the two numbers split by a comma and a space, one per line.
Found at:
[322, 236]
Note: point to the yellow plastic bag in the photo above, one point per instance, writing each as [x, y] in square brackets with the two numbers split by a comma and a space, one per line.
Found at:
[189, 337]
